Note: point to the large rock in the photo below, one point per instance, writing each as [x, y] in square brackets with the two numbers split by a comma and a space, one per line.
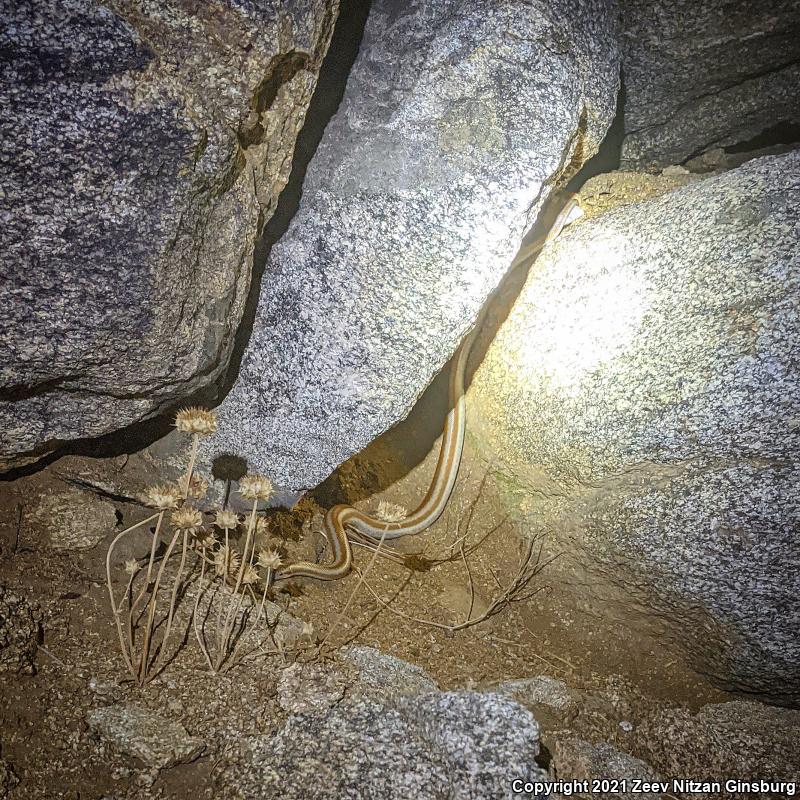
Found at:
[138, 732]
[381, 673]
[143, 147]
[644, 392]
[456, 118]
[577, 760]
[706, 75]
[541, 689]
[745, 740]
[441, 745]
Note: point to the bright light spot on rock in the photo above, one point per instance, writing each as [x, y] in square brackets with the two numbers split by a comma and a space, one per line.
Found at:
[489, 238]
[581, 325]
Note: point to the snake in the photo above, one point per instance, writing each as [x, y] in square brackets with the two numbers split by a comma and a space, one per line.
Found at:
[344, 521]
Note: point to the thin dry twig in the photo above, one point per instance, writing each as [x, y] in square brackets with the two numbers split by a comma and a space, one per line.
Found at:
[527, 571]
[389, 554]
[361, 580]
[18, 533]
[54, 657]
[235, 605]
[125, 647]
[533, 653]
[201, 589]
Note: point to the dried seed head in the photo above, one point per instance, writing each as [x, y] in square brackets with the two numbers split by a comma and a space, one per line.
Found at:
[163, 497]
[269, 559]
[262, 526]
[226, 519]
[197, 487]
[255, 487]
[205, 539]
[187, 519]
[226, 561]
[250, 576]
[195, 420]
[390, 512]
[132, 566]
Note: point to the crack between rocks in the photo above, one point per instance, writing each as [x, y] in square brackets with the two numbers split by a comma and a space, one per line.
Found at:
[713, 93]
[100, 491]
[15, 394]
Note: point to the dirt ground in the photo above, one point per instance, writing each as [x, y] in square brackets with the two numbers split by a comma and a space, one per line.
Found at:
[53, 753]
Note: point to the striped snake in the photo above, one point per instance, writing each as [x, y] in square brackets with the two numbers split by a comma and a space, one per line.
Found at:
[343, 521]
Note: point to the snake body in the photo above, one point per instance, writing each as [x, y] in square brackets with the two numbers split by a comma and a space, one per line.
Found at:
[342, 518]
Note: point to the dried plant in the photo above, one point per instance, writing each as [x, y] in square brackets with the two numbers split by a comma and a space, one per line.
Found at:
[390, 512]
[233, 562]
[232, 571]
[236, 576]
[463, 544]
[516, 591]
[136, 614]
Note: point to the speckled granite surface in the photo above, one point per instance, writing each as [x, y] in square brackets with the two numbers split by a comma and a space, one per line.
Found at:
[461, 745]
[705, 75]
[142, 145]
[743, 740]
[646, 389]
[454, 117]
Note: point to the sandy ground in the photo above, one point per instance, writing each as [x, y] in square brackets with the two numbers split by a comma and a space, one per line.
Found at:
[552, 630]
